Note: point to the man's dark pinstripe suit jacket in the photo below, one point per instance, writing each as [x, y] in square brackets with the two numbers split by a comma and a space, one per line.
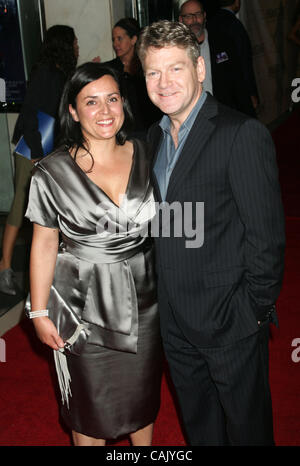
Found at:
[220, 291]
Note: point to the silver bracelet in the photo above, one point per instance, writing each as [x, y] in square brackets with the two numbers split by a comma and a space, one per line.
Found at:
[41, 313]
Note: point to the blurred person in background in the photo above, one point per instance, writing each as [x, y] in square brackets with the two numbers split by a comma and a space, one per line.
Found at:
[57, 61]
[223, 70]
[124, 37]
[226, 22]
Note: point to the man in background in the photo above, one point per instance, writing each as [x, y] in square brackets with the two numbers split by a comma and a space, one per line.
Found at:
[225, 20]
[224, 78]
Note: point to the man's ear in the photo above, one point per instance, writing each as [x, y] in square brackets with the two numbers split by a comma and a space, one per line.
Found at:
[73, 113]
[201, 69]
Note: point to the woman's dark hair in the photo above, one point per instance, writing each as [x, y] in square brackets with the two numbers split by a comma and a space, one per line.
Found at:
[71, 134]
[58, 49]
[130, 25]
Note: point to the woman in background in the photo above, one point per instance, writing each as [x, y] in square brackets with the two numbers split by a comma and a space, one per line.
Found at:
[57, 60]
[124, 37]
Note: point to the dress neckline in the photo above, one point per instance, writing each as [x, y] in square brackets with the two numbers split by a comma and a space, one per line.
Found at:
[129, 181]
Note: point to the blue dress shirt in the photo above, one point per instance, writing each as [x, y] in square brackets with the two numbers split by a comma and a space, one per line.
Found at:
[168, 155]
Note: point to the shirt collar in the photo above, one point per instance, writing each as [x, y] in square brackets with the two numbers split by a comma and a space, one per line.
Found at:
[205, 41]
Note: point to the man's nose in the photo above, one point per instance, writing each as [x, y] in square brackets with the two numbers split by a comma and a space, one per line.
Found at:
[164, 80]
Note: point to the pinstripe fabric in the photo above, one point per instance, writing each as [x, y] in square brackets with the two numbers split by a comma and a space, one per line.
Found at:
[223, 392]
[211, 298]
[218, 292]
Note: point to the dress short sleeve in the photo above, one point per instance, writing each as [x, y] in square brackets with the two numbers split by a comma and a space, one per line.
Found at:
[41, 207]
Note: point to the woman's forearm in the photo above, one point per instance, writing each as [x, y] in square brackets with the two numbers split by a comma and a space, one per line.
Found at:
[42, 264]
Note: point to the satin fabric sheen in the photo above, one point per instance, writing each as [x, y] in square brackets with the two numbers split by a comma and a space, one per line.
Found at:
[108, 279]
[93, 274]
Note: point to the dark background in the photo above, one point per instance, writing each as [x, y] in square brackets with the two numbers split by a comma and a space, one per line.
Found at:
[162, 9]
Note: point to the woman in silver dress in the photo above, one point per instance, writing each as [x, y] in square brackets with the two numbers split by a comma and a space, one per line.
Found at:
[94, 191]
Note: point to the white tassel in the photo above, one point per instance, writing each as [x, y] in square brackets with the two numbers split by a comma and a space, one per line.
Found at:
[63, 375]
[61, 365]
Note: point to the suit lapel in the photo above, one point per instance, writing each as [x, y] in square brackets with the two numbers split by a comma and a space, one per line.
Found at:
[201, 131]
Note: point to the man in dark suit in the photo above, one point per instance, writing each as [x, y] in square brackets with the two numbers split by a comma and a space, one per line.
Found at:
[226, 22]
[224, 79]
[220, 262]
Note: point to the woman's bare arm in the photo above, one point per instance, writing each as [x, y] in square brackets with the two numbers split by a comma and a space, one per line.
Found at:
[42, 264]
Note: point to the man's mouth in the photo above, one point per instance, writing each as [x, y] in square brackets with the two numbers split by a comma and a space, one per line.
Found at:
[166, 94]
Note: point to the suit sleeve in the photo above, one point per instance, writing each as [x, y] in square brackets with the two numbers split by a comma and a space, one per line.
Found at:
[245, 52]
[228, 82]
[256, 191]
[242, 96]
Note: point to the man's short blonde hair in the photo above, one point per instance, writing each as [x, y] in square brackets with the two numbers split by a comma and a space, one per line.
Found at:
[168, 34]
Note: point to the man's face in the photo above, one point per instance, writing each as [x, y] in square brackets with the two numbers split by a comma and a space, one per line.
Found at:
[193, 16]
[173, 81]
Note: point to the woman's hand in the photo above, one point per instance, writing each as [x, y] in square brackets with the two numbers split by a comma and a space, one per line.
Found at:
[43, 256]
[47, 332]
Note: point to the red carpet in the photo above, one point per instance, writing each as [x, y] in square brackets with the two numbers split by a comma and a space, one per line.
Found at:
[28, 408]
[287, 145]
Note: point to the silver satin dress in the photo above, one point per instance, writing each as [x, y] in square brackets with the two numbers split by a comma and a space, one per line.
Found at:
[105, 270]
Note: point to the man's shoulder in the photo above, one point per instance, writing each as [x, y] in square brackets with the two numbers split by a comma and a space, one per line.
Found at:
[220, 42]
[235, 122]
[223, 116]
[225, 22]
[223, 15]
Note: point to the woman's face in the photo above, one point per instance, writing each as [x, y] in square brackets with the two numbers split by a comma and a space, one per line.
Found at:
[99, 109]
[123, 44]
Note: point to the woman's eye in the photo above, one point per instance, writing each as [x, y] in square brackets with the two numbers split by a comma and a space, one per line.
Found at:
[113, 99]
[91, 102]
